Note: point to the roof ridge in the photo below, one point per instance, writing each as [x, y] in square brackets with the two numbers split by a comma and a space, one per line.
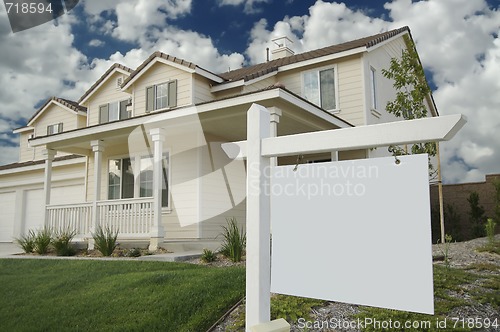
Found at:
[253, 71]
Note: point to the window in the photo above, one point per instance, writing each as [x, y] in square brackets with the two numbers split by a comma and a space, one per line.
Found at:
[55, 128]
[320, 88]
[161, 96]
[124, 183]
[113, 111]
[373, 88]
[146, 178]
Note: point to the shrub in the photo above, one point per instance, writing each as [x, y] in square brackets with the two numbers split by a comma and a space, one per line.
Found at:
[27, 242]
[234, 241]
[43, 239]
[476, 214]
[208, 256]
[62, 243]
[105, 240]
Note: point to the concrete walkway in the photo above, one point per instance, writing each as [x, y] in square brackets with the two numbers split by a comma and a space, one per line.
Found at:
[10, 250]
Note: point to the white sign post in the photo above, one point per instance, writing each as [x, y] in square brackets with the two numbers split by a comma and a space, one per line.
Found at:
[259, 148]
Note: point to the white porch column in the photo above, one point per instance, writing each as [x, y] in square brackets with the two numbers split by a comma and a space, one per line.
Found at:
[275, 119]
[48, 155]
[157, 232]
[98, 149]
[258, 271]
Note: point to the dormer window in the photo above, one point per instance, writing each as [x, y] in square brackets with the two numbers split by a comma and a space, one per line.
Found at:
[161, 96]
[55, 128]
[113, 111]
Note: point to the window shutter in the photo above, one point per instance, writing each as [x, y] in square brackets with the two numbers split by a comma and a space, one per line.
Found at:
[150, 98]
[172, 93]
[49, 130]
[104, 113]
[123, 109]
[60, 127]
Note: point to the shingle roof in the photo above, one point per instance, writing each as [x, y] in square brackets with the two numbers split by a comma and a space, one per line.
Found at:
[162, 55]
[37, 162]
[248, 73]
[113, 67]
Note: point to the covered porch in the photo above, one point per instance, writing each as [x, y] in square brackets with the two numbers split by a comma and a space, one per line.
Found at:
[183, 192]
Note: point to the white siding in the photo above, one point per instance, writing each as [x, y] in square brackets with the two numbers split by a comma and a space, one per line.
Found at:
[54, 115]
[350, 86]
[107, 93]
[379, 59]
[350, 82]
[201, 90]
[222, 190]
[157, 74]
[27, 153]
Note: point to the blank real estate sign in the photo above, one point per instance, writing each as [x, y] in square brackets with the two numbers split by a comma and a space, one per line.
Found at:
[354, 231]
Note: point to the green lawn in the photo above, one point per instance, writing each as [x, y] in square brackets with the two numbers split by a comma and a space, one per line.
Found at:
[84, 295]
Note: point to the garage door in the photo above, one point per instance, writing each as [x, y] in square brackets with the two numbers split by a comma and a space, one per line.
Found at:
[34, 213]
[7, 210]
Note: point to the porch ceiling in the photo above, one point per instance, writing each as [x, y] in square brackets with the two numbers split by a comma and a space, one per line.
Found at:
[230, 123]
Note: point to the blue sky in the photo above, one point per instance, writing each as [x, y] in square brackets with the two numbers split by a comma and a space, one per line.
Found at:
[458, 42]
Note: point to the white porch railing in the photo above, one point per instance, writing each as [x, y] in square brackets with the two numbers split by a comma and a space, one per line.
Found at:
[77, 217]
[131, 217]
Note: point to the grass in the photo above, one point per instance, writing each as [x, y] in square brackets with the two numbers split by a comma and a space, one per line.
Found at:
[85, 295]
[446, 281]
[493, 248]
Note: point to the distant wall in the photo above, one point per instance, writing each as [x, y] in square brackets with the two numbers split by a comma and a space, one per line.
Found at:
[456, 195]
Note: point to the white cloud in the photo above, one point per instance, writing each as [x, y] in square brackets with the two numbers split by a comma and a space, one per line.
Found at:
[326, 24]
[249, 6]
[96, 43]
[35, 64]
[135, 19]
[10, 154]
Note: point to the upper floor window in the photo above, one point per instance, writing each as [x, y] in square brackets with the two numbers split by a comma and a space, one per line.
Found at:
[320, 88]
[373, 87]
[161, 96]
[113, 111]
[55, 128]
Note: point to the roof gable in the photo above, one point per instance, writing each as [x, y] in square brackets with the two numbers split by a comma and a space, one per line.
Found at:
[169, 60]
[65, 104]
[113, 69]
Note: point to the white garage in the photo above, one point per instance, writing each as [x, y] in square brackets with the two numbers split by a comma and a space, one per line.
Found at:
[7, 215]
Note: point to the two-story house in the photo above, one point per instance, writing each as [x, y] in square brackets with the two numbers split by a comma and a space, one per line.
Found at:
[141, 149]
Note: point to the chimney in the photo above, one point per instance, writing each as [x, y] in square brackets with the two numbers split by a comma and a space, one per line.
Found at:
[283, 49]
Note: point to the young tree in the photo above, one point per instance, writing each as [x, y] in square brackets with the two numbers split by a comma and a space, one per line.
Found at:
[411, 90]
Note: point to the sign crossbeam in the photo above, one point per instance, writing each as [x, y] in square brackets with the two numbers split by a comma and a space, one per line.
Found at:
[441, 128]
